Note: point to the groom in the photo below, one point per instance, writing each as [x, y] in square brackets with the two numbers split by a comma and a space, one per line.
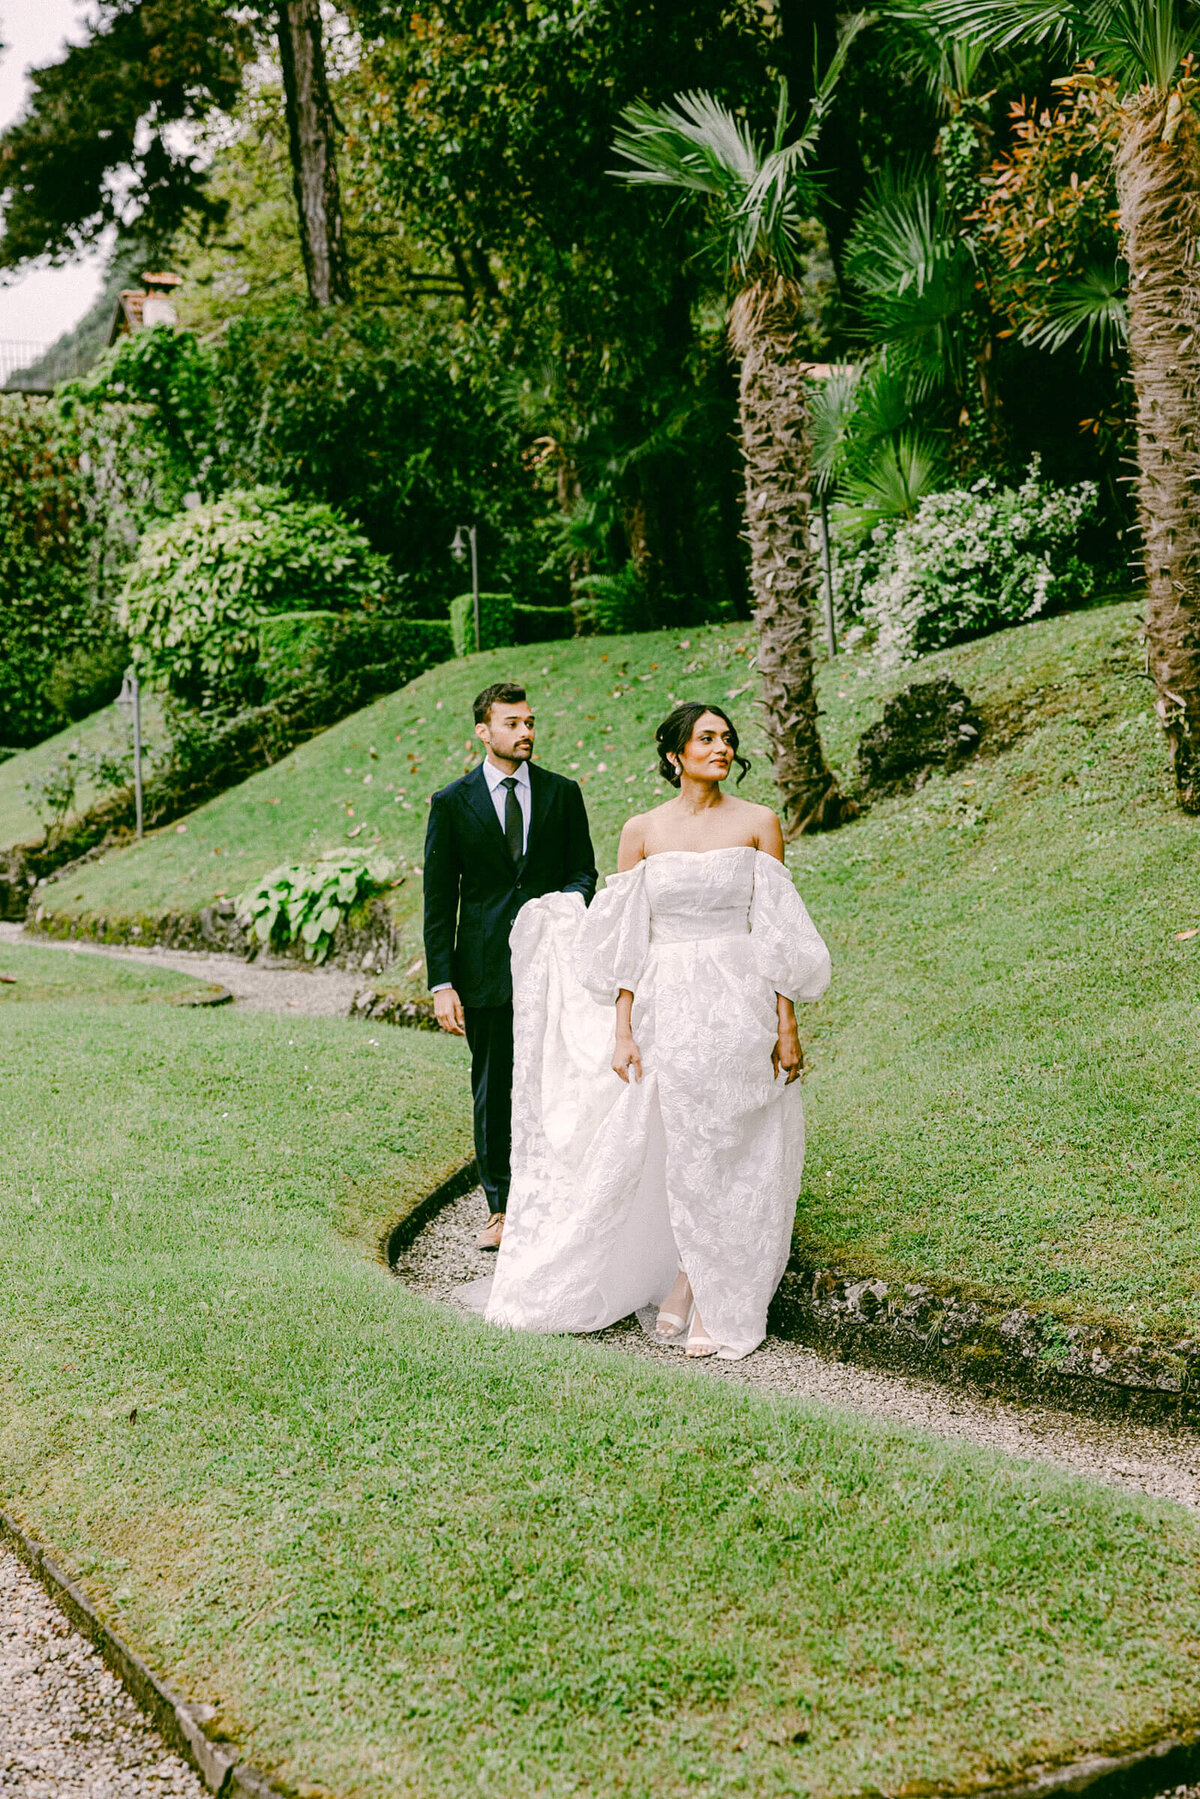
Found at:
[506, 833]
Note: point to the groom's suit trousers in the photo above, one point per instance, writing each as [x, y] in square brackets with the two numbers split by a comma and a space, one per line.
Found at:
[490, 1036]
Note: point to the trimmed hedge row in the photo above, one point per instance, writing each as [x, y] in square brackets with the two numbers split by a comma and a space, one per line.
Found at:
[503, 620]
[300, 649]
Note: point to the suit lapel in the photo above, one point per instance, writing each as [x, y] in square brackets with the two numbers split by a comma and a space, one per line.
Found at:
[478, 797]
[539, 793]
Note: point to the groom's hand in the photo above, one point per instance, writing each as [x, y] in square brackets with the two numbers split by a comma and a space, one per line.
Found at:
[447, 1009]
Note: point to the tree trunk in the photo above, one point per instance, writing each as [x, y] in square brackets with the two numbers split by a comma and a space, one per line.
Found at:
[311, 131]
[783, 574]
[1158, 176]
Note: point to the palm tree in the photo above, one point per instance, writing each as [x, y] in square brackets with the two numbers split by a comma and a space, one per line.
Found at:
[1146, 48]
[755, 205]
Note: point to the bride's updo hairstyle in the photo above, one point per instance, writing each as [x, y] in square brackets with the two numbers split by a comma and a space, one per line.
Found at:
[675, 733]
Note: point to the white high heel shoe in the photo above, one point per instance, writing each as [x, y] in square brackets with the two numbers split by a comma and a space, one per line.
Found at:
[673, 1322]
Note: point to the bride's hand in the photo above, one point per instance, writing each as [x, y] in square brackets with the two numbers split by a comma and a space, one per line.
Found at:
[788, 1054]
[627, 1059]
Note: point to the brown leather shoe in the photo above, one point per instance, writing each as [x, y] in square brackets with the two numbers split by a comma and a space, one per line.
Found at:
[489, 1237]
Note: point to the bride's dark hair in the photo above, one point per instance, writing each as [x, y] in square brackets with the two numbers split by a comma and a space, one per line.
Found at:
[675, 733]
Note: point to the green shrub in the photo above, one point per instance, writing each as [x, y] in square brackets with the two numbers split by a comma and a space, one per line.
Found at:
[495, 622]
[46, 610]
[194, 598]
[294, 648]
[542, 624]
[88, 678]
[971, 560]
[306, 902]
[613, 603]
[298, 649]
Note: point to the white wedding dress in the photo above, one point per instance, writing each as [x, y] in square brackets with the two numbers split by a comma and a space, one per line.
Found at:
[614, 1187]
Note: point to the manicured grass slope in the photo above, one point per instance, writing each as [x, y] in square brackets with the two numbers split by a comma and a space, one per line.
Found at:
[106, 732]
[407, 1554]
[1005, 1066]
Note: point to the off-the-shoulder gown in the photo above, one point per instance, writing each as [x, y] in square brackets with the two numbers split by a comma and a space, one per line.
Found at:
[698, 1164]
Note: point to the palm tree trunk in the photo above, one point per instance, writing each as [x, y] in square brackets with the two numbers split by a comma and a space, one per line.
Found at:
[773, 407]
[311, 137]
[1158, 175]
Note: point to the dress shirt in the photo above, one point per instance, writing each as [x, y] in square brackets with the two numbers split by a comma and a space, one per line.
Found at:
[495, 777]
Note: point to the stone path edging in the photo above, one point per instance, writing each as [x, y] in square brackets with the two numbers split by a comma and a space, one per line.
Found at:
[401, 1235]
[912, 1328]
[177, 1722]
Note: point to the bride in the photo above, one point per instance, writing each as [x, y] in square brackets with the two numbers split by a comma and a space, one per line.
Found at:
[658, 1128]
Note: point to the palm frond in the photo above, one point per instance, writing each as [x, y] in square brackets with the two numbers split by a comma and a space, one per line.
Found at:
[832, 409]
[1088, 309]
[915, 277]
[695, 144]
[949, 66]
[998, 23]
[892, 484]
[1140, 42]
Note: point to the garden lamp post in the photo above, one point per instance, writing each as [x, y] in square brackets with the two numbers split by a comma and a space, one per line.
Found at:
[130, 699]
[827, 573]
[458, 549]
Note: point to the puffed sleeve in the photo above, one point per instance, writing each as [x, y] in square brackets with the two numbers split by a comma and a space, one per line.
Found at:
[614, 939]
[788, 949]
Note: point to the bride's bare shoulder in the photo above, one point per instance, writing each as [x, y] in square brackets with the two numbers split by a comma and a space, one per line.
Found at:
[632, 848]
[760, 824]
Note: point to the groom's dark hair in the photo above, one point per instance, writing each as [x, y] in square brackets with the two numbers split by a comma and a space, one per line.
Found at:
[500, 693]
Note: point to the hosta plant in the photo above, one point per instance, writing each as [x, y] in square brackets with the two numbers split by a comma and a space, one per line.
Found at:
[305, 902]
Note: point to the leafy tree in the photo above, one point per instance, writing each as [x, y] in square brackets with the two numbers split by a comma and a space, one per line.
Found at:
[201, 584]
[1145, 48]
[1049, 224]
[493, 138]
[754, 203]
[97, 145]
[46, 610]
[311, 137]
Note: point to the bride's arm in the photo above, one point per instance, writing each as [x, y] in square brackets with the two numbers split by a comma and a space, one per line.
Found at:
[627, 1058]
[787, 1053]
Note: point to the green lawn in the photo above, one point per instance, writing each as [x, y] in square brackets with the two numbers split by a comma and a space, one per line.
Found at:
[1006, 1064]
[106, 732]
[62, 974]
[405, 1554]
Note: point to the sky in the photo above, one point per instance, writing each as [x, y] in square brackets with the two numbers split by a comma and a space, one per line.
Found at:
[42, 303]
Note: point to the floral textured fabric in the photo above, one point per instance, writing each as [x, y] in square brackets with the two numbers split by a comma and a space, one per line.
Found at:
[698, 1164]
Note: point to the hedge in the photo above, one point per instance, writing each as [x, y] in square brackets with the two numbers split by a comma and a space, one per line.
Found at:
[542, 624]
[298, 649]
[495, 622]
[504, 620]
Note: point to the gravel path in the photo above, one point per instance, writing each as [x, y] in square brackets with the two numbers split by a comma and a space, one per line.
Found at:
[68, 1728]
[270, 984]
[1156, 1460]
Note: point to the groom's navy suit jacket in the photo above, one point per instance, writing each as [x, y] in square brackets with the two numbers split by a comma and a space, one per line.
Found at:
[474, 889]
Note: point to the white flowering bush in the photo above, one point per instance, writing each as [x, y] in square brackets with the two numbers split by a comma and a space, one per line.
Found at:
[970, 560]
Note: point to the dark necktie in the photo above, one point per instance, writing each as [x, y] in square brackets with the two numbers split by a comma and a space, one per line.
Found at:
[514, 824]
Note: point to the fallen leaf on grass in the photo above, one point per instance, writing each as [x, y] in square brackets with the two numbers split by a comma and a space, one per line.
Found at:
[1182, 936]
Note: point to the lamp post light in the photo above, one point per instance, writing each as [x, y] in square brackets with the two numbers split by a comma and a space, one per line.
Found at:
[458, 549]
[130, 700]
